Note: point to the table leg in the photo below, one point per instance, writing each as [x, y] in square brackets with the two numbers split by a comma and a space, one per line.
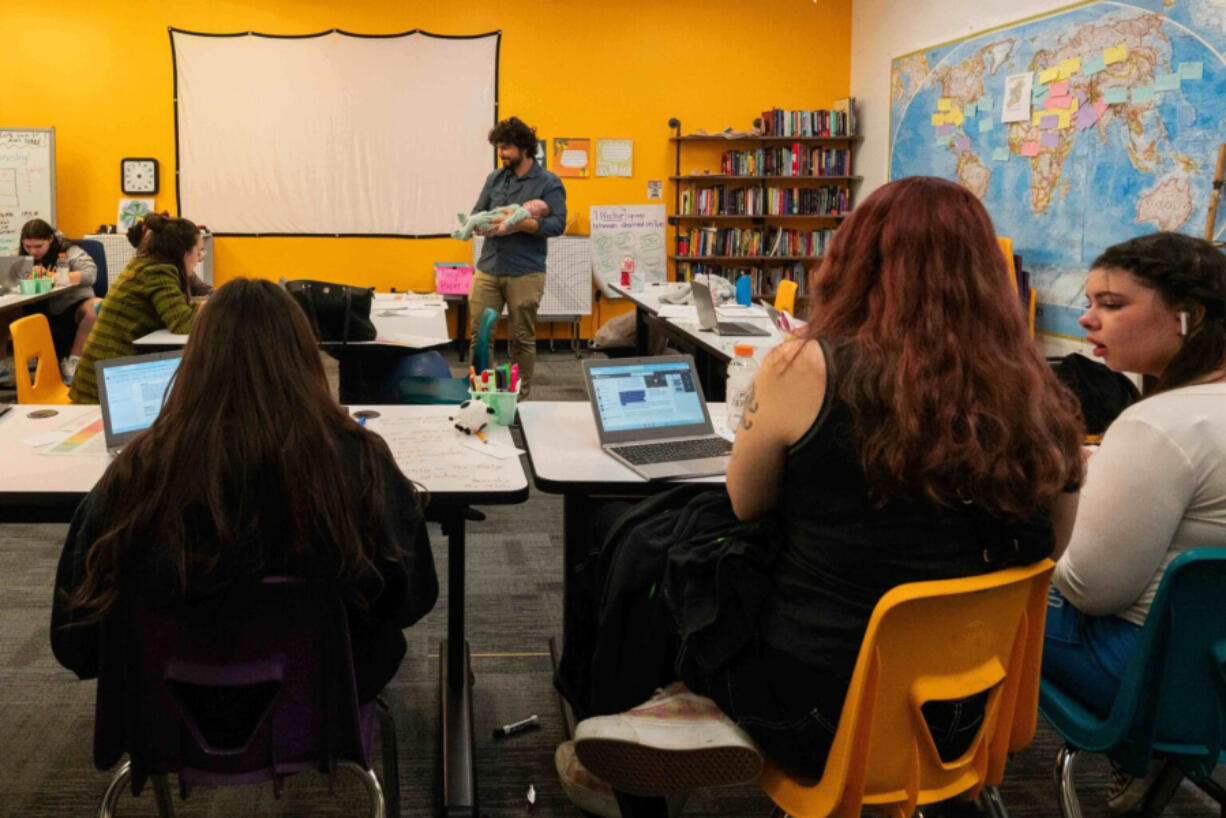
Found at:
[455, 685]
[640, 331]
[461, 328]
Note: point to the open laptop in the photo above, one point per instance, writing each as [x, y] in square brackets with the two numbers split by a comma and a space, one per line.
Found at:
[131, 391]
[651, 416]
[707, 319]
[13, 268]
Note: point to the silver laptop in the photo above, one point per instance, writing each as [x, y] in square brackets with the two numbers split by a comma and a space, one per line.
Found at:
[651, 416]
[131, 391]
[707, 319]
[13, 268]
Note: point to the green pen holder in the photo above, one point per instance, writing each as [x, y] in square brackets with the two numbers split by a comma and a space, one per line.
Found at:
[27, 286]
[45, 284]
[503, 404]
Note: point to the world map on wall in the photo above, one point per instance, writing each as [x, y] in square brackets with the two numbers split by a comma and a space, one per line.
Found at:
[1124, 104]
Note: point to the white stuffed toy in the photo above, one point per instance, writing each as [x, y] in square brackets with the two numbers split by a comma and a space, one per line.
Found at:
[474, 415]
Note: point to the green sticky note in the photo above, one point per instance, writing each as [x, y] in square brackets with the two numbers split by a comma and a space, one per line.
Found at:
[1167, 82]
[968, 110]
[1191, 70]
[1143, 94]
[1114, 96]
[1001, 155]
[986, 102]
[1093, 65]
[986, 124]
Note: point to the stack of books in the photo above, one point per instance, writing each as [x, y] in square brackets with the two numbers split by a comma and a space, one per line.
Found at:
[827, 200]
[840, 120]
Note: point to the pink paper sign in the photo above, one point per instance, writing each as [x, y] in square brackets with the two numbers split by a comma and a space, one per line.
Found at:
[453, 279]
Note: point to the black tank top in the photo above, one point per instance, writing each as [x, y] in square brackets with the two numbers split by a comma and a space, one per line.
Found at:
[840, 553]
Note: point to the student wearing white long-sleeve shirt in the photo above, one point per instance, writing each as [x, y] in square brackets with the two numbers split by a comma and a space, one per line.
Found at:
[1157, 485]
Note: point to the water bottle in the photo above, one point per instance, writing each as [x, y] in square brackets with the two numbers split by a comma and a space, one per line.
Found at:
[741, 371]
[61, 270]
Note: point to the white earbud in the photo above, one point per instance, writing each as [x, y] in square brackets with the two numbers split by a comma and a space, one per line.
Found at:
[1183, 322]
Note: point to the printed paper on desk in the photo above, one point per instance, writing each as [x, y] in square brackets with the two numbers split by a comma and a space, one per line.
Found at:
[404, 339]
[453, 279]
[501, 451]
[678, 312]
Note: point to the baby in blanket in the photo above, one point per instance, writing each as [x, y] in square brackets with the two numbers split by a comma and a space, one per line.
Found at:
[509, 215]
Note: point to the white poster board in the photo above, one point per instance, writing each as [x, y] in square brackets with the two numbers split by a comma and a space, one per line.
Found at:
[628, 230]
[27, 182]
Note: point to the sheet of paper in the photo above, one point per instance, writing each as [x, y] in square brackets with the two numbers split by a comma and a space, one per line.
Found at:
[83, 437]
[741, 311]
[498, 451]
[679, 312]
[428, 450]
[404, 339]
[44, 439]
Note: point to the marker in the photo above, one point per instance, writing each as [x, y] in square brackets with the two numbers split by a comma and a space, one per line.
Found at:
[518, 726]
[361, 420]
[514, 376]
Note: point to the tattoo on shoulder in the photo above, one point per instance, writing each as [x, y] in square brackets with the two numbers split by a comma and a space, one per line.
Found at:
[751, 407]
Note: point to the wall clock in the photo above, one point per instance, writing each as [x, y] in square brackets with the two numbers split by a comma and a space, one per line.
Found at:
[138, 175]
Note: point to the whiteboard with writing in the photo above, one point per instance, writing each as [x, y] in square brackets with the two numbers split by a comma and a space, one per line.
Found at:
[27, 182]
[628, 230]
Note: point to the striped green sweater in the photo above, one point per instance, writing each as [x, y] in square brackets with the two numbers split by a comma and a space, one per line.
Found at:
[146, 297]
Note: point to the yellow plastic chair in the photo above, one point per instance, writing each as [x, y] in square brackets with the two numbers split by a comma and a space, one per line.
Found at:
[929, 641]
[32, 339]
[785, 296]
[1006, 247]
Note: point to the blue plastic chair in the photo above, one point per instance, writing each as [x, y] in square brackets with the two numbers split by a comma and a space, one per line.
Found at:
[95, 250]
[425, 378]
[1172, 697]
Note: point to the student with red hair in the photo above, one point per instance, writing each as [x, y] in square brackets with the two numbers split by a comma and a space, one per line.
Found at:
[912, 433]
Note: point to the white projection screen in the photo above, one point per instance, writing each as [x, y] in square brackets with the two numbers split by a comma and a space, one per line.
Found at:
[333, 134]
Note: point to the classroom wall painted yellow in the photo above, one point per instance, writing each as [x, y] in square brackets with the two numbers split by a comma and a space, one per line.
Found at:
[100, 72]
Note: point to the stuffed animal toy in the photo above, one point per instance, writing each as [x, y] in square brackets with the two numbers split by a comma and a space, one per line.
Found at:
[508, 216]
[474, 415]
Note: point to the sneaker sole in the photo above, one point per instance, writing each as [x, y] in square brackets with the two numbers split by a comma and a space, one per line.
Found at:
[642, 770]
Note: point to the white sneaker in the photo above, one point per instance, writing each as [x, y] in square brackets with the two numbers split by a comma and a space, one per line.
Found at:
[68, 368]
[675, 741]
[585, 791]
[1126, 791]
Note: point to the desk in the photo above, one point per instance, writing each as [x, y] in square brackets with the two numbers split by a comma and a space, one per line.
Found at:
[402, 326]
[37, 487]
[16, 300]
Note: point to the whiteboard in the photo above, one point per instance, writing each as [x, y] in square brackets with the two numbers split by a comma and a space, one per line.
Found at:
[628, 230]
[568, 276]
[27, 182]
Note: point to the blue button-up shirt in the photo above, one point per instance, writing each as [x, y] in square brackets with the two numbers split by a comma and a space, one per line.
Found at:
[518, 254]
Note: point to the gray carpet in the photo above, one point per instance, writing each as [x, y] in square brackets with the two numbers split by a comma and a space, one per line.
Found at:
[513, 604]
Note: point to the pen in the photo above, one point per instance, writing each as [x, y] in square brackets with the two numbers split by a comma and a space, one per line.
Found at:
[518, 726]
[514, 376]
[472, 378]
[362, 420]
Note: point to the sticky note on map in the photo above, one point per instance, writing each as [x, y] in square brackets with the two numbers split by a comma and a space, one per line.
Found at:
[1000, 155]
[1191, 70]
[945, 130]
[986, 124]
[1049, 121]
[1049, 74]
[1115, 54]
[1114, 96]
[1053, 103]
[1049, 139]
[1059, 89]
[1029, 149]
[1143, 94]
[944, 104]
[1065, 119]
[1167, 82]
[1037, 119]
[938, 120]
[963, 143]
[955, 117]
[1086, 117]
[986, 101]
[968, 110]
[1069, 67]
[1093, 65]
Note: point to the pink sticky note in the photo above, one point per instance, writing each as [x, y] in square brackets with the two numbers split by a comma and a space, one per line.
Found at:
[1049, 122]
[1029, 149]
[963, 143]
[1049, 139]
[945, 130]
[1099, 107]
[1058, 103]
[1058, 89]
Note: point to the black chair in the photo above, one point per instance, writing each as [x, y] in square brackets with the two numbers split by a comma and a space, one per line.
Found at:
[253, 687]
[96, 251]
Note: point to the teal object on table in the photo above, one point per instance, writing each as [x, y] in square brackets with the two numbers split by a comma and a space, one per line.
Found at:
[744, 291]
[412, 388]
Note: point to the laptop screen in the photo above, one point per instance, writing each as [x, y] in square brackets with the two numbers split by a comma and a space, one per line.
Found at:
[646, 395]
[134, 391]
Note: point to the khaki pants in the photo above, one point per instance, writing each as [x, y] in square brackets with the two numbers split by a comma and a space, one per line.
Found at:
[522, 296]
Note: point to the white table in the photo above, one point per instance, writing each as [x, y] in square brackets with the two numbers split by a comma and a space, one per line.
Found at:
[35, 486]
[15, 300]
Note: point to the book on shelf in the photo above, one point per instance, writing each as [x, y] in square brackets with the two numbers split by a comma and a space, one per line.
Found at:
[838, 121]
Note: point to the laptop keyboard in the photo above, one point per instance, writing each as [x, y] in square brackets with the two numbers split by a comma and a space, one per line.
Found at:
[643, 454]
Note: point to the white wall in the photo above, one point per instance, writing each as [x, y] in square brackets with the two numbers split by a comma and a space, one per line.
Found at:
[884, 29]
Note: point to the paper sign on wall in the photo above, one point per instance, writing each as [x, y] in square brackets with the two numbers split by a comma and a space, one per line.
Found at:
[614, 157]
[636, 231]
[452, 279]
[572, 157]
[131, 211]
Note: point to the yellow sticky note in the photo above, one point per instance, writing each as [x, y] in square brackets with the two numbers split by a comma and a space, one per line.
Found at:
[1049, 74]
[954, 117]
[1073, 105]
[1038, 117]
[938, 120]
[1065, 120]
[1115, 54]
[944, 104]
[1069, 67]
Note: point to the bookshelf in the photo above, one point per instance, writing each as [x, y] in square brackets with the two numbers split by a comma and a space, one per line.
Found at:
[778, 196]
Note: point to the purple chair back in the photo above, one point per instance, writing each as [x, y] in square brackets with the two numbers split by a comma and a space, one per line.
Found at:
[253, 686]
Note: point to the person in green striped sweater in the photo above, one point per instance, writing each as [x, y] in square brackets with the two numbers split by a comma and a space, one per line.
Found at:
[151, 294]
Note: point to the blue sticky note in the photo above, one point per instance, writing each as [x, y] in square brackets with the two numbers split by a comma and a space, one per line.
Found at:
[1000, 155]
[1191, 70]
[986, 124]
[1038, 93]
[1145, 93]
[986, 101]
[1167, 82]
[1114, 96]
[1093, 65]
[968, 110]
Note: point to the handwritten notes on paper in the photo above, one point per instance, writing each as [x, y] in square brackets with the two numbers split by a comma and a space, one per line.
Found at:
[614, 157]
[429, 450]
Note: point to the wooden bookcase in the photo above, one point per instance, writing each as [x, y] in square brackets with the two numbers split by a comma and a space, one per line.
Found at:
[766, 264]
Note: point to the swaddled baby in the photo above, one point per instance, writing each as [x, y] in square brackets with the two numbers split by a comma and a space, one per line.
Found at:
[509, 215]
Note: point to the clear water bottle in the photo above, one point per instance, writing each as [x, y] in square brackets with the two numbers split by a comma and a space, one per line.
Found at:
[741, 371]
[61, 270]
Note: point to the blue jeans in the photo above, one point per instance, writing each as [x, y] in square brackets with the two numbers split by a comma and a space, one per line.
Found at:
[1086, 655]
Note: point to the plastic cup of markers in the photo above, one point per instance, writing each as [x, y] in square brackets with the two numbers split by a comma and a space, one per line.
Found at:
[27, 286]
[45, 284]
[503, 404]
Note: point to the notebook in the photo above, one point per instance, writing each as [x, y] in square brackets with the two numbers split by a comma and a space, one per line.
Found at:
[131, 392]
[707, 319]
[651, 416]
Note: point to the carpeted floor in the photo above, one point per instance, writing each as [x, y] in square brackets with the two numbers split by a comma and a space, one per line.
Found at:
[513, 605]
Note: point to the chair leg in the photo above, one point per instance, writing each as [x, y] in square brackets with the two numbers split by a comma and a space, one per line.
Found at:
[990, 798]
[1162, 791]
[113, 789]
[377, 807]
[391, 761]
[1066, 794]
[161, 796]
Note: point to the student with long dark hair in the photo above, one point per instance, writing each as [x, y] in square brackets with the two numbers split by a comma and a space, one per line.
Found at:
[251, 469]
[152, 293]
[912, 433]
[71, 313]
[1156, 487]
